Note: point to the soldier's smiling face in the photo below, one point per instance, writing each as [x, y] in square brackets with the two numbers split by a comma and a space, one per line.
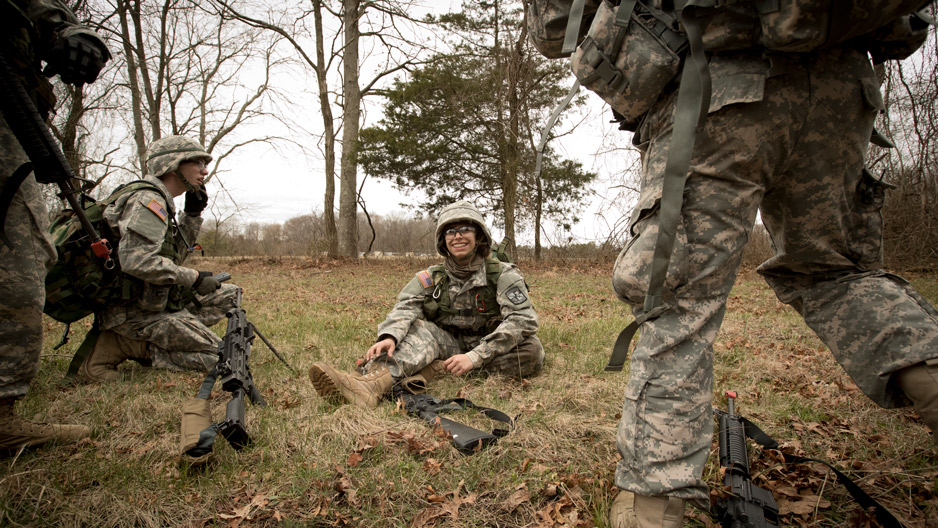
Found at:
[460, 241]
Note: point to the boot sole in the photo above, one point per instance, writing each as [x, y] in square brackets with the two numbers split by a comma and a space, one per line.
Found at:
[325, 387]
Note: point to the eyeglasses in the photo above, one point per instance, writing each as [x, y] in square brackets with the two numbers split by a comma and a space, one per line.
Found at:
[200, 163]
[462, 230]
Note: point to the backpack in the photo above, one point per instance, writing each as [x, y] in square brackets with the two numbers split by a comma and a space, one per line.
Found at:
[79, 283]
[629, 51]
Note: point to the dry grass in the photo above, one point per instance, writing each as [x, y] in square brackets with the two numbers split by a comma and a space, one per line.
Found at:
[314, 464]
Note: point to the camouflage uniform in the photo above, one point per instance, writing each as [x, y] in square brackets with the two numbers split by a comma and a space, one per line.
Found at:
[499, 344]
[23, 269]
[177, 339]
[792, 145]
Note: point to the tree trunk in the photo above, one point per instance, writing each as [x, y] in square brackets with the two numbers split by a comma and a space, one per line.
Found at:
[135, 101]
[328, 208]
[348, 193]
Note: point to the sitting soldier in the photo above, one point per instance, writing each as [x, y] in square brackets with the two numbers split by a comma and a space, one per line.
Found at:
[167, 324]
[473, 312]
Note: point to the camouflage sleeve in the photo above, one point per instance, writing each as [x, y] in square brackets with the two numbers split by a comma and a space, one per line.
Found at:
[143, 221]
[519, 321]
[408, 309]
[48, 18]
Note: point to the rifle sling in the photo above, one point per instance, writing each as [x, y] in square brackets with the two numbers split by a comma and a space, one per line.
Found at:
[84, 350]
[883, 516]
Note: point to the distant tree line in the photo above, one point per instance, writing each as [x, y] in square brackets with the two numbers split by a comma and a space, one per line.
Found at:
[306, 235]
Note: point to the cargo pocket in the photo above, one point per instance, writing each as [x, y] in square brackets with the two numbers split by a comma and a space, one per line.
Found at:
[660, 432]
[865, 238]
[632, 270]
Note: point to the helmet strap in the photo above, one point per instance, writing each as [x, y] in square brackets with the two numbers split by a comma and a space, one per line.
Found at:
[189, 186]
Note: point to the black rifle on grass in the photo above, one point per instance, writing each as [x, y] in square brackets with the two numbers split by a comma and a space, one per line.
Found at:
[234, 372]
[749, 506]
[467, 439]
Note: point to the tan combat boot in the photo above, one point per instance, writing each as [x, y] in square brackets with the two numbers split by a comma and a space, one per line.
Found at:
[418, 383]
[364, 391]
[16, 432]
[920, 384]
[638, 511]
[109, 351]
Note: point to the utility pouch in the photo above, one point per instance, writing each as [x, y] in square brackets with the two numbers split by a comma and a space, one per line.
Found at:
[547, 22]
[154, 297]
[629, 56]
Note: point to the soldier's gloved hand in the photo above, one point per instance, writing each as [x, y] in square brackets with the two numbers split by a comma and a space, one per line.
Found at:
[77, 58]
[196, 201]
[206, 283]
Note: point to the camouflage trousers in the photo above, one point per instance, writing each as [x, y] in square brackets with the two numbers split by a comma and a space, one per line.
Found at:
[181, 340]
[425, 342]
[22, 274]
[794, 149]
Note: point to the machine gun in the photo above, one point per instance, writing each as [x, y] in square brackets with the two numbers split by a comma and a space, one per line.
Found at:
[749, 506]
[467, 439]
[198, 433]
[46, 159]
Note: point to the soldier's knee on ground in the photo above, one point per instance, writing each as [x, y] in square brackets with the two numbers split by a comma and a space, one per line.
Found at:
[110, 350]
[524, 361]
[920, 383]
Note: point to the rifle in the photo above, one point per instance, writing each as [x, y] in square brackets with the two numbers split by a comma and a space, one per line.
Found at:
[749, 506]
[235, 373]
[46, 158]
[467, 439]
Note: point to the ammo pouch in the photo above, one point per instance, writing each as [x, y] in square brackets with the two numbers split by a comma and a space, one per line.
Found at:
[629, 56]
[799, 26]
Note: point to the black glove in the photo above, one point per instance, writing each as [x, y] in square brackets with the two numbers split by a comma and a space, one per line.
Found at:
[206, 283]
[76, 58]
[196, 201]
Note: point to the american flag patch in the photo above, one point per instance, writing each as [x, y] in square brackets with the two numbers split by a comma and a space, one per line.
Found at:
[157, 209]
[425, 279]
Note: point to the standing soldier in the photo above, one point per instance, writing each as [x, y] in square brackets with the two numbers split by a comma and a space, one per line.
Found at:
[473, 312]
[34, 30]
[787, 134]
[167, 325]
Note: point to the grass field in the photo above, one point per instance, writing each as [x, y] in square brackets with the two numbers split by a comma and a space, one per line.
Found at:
[315, 464]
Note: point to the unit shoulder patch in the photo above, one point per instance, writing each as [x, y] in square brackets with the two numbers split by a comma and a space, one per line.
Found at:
[516, 296]
[157, 209]
[426, 280]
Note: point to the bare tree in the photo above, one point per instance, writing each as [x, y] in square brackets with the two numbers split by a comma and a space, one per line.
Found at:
[380, 22]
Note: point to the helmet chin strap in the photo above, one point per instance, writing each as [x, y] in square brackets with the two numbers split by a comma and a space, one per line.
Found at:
[189, 186]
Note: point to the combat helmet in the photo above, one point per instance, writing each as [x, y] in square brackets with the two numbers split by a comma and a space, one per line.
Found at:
[164, 155]
[462, 211]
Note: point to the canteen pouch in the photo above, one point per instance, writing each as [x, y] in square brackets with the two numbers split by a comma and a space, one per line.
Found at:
[629, 58]
[547, 24]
